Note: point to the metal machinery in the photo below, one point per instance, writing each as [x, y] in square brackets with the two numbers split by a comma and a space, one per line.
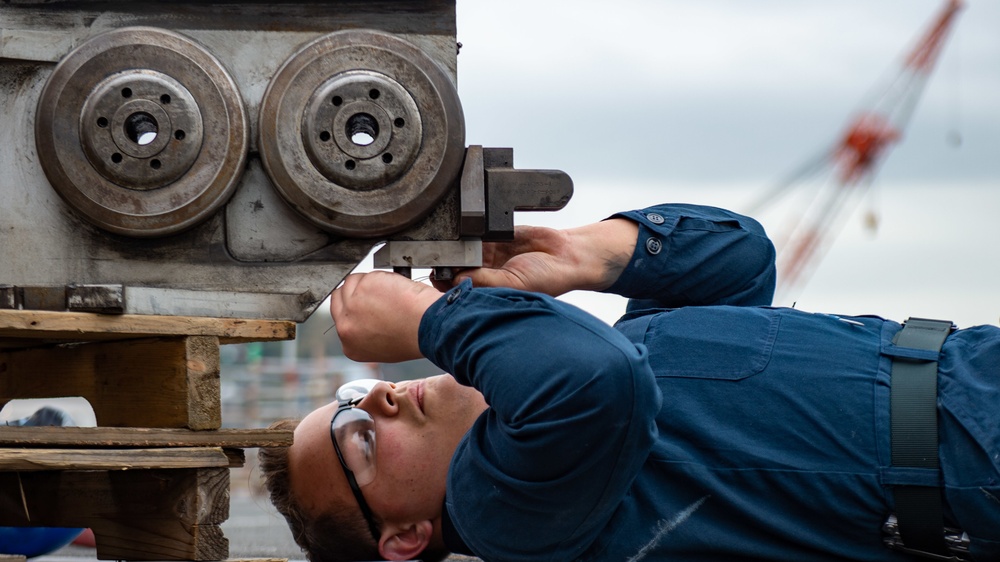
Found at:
[237, 159]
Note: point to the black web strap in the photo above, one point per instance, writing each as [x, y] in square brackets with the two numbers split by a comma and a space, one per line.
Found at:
[913, 414]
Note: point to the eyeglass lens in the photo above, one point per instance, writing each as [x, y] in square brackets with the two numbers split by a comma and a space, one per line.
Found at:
[354, 430]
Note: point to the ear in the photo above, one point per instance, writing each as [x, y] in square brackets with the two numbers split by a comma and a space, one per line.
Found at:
[405, 543]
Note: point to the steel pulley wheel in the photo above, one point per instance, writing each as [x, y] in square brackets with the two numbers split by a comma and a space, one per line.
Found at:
[362, 133]
[142, 131]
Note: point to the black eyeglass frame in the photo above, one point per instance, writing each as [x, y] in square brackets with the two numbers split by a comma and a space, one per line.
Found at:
[351, 480]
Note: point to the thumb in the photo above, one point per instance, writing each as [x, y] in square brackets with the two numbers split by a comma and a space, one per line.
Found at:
[485, 277]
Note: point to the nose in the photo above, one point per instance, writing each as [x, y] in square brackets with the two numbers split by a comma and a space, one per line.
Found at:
[381, 400]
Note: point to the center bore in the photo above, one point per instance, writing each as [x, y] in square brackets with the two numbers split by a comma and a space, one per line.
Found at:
[141, 128]
[362, 129]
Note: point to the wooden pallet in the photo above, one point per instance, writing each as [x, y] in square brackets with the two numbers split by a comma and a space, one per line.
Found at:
[152, 480]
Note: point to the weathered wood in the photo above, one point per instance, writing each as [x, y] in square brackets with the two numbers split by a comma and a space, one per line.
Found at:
[164, 382]
[237, 457]
[111, 459]
[135, 514]
[93, 437]
[27, 325]
[160, 540]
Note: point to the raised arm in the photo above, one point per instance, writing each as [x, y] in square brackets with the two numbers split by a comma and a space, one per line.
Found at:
[569, 397]
[572, 413]
[664, 256]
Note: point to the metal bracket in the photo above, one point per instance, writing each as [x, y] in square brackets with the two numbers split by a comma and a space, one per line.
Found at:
[491, 191]
[106, 299]
[442, 255]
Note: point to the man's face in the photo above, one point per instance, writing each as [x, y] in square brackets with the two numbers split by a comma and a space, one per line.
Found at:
[418, 425]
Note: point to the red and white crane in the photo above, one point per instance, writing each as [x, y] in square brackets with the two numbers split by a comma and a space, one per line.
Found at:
[846, 170]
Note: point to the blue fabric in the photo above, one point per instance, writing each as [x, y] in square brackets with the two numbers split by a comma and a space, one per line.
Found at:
[725, 432]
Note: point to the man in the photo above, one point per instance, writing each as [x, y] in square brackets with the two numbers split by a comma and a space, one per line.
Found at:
[704, 426]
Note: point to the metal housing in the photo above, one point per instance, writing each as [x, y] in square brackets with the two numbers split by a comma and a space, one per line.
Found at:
[198, 158]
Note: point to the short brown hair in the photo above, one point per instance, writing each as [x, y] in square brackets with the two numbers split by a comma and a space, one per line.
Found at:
[334, 536]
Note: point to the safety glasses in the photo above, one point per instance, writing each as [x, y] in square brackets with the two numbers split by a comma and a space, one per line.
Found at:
[353, 433]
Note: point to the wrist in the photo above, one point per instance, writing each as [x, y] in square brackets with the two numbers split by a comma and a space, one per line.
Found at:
[602, 251]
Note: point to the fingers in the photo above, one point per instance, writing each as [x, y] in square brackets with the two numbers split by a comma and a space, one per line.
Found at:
[378, 315]
[340, 297]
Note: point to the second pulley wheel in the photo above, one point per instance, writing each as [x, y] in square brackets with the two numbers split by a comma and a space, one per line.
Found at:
[362, 133]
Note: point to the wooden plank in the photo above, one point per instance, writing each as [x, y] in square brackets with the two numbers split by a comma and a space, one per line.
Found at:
[135, 514]
[85, 326]
[93, 437]
[237, 457]
[163, 382]
[111, 459]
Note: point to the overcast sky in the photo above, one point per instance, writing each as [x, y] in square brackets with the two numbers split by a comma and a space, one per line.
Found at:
[713, 101]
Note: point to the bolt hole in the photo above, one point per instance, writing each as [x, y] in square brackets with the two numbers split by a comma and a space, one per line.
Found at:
[126, 92]
[141, 128]
[324, 136]
[399, 122]
[179, 134]
[362, 129]
[102, 122]
[337, 100]
[387, 158]
[374, 93]
[154, 164]
[350, 164]
[165, 99]
[116, 158]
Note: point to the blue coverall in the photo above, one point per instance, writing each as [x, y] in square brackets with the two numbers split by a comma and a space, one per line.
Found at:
[704, 425]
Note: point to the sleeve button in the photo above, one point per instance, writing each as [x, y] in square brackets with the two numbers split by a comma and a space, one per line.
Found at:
[653, 245]
[453, 296]
[655, 218]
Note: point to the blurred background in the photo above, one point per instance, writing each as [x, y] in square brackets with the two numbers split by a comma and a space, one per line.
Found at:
[718, 101]
[713, 102]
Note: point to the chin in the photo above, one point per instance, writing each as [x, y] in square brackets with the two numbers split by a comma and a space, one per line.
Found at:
[461, 398]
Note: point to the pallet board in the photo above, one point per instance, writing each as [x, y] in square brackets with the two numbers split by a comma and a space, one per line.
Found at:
[159, 382]
[22, 327]
[135, 514]
[111, 459]
[93, 437]
[152, 481]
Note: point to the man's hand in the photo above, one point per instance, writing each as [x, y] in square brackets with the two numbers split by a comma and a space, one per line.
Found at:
[554, 262]
[378, 314]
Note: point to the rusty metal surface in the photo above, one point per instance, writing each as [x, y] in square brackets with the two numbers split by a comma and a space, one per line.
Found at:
[205, 230]
[348, 83]
[146, 164]
[254, 256]
[107, 299]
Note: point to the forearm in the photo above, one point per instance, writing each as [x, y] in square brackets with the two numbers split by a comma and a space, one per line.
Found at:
[693, 255]
[676, 255]
[601, 252]
[571, 417]
[540, 362]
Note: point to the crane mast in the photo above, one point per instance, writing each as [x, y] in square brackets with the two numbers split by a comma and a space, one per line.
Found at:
[849, 166]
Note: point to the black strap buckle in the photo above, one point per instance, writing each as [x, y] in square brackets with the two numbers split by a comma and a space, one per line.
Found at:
[956, 541]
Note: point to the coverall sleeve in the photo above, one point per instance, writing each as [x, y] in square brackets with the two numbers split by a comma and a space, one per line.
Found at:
[694, 255]
[571, 420]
